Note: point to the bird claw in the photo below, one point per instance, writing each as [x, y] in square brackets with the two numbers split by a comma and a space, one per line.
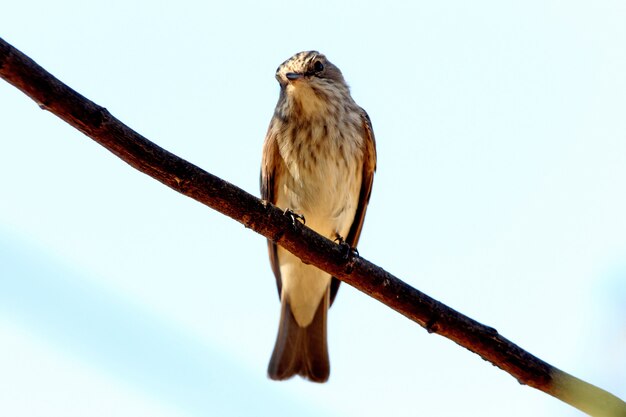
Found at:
[296, 218]
[349, 252]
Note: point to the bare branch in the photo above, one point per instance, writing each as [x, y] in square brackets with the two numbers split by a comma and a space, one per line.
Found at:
[98, 124]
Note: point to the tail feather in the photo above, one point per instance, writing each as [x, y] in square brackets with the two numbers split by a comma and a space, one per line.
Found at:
[301, 350]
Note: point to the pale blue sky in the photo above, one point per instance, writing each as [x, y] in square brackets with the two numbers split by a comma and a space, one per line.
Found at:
[501, 133]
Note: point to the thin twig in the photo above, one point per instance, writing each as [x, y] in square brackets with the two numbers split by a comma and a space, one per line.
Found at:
[98, 124]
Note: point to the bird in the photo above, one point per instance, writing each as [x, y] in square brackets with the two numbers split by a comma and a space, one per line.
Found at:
[318, 163]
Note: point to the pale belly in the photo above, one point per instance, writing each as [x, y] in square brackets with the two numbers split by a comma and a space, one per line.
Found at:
[327, 197]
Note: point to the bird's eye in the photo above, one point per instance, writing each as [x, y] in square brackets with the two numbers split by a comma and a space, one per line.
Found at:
[318, 66]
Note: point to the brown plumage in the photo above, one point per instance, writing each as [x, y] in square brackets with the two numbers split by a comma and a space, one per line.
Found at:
[319, 159]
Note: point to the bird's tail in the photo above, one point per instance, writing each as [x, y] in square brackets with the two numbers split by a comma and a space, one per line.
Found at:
[301, 350]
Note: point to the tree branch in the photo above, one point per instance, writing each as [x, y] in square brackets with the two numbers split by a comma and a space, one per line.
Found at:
[98, 124]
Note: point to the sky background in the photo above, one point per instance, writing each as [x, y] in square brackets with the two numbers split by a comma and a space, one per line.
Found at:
[501, 137]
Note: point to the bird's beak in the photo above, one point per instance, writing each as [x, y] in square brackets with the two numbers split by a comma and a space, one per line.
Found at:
[293, 76]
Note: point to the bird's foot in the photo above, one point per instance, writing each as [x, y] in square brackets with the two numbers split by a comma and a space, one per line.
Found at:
[296, 219]
[349, 253]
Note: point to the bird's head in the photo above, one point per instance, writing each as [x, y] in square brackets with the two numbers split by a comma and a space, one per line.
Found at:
[311, 80]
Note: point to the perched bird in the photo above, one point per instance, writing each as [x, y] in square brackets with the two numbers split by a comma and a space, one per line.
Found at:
[319, 159]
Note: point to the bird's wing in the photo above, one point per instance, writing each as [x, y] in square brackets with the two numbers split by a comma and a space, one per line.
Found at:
[271, 169]
[367, 179]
